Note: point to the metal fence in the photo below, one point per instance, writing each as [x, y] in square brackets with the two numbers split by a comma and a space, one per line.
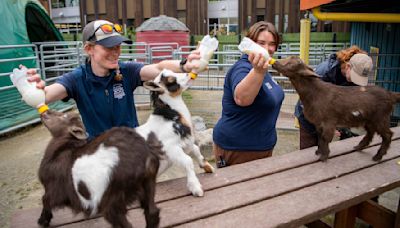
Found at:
[204, 98]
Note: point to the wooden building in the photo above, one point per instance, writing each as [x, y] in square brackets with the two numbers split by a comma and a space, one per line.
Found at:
[135, 12]
[194, 13]
[285, 14]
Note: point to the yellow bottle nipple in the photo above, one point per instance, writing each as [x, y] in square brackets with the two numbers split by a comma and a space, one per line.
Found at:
[42, 109]
[193, 75]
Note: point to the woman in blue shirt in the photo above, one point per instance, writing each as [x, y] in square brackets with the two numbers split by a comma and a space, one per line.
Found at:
[103, 87]
[250, 104]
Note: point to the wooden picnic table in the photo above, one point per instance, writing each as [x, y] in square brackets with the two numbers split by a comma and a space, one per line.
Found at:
[282, 191]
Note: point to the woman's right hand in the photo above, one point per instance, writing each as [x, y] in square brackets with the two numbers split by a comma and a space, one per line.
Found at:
[33, 76]
[260, 65]
[54, 92]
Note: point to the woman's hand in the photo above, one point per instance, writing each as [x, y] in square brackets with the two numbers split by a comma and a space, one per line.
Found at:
[33, 76]
[190, 64]
[54, 92]
[260, 65]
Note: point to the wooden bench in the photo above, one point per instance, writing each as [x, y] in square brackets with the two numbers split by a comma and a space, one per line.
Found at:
[282, 191]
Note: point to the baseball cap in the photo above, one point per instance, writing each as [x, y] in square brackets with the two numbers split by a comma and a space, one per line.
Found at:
[360, 67]
[93, 32]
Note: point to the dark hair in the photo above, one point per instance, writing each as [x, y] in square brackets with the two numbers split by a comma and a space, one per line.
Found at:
[262, 26]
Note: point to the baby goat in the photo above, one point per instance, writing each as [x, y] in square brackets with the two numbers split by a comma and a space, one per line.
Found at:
[328, 106]
[171, 122]
[104, 175]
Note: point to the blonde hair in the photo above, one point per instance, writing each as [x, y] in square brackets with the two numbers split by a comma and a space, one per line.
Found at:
[85, 45]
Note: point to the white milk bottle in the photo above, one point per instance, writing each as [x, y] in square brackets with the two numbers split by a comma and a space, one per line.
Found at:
[206, 48]
[248, 46]
[32, 96]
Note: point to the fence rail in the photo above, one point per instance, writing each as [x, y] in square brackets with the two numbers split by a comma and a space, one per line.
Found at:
[56, 58]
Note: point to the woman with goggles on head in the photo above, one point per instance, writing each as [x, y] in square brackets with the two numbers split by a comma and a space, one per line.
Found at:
[103, 87]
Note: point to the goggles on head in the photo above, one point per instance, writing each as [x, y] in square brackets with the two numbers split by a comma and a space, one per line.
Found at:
[107, 29]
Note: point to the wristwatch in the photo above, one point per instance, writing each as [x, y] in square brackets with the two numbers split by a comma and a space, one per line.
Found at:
[182, 64]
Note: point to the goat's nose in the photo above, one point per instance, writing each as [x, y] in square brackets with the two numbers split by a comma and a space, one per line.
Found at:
[45, 115]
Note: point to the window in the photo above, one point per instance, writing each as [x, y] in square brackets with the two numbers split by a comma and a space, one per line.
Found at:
[223, 26]
[64, 3]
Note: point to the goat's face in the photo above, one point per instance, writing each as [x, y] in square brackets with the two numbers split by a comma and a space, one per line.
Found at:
[64, 124]
[293, 67]
[169, 82]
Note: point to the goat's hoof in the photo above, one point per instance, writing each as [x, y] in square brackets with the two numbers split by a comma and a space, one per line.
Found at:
[358, 147]
[323, 158]
[317, 152]
[208, 168]
[377, 157]
[43, 222]
[196, 190]
[198, 193]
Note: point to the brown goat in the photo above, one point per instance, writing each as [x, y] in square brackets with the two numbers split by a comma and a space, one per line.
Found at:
[104, 175]
[328, 106]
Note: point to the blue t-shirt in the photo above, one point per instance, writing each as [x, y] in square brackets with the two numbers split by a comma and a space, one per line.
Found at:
[252, 127]
[104, 102]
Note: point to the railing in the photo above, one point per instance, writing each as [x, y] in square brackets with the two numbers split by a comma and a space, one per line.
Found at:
[56, 58]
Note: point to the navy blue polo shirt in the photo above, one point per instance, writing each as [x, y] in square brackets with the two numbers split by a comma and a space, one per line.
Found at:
[251, 127]
[104, 102]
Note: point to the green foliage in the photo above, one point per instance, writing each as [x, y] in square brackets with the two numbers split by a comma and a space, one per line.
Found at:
[223, 39]
[327, 37]
[72, 36]
[187, 97]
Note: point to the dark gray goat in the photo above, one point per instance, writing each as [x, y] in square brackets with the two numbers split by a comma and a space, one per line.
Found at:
[103, 176]
[328, 106]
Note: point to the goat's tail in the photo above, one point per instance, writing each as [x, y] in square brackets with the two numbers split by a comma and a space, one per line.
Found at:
[155, 145]
[396, 96]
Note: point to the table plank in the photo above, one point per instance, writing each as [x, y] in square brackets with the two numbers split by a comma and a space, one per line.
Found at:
[220, 200]
[308, 204]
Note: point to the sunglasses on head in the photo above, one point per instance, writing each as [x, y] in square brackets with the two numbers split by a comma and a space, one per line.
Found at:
[107, 29]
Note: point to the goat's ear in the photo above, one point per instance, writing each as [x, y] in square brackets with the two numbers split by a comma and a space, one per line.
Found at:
[308, 71]
[77, 132]
[150, 85]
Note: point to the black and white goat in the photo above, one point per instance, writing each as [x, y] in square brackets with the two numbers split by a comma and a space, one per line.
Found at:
[171, 122]
[102, 176]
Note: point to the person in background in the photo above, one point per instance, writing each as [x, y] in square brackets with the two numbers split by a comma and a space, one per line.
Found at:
[348, 67]
[103, 87]
[251, 103]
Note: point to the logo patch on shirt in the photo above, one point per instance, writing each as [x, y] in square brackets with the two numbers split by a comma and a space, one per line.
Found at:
[274, 81]
[269, 86]
[119, 92]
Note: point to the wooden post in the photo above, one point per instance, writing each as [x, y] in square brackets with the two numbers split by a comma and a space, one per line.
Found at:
[375, 215]
[346, 218]
[397, 221]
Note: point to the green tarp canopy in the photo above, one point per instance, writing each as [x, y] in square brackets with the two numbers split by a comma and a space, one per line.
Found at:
[24, 22]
